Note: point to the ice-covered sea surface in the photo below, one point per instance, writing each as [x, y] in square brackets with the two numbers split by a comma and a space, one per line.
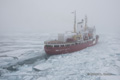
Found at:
[22, 57]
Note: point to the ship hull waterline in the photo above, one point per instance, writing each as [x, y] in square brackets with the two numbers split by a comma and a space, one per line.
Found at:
[70, 49]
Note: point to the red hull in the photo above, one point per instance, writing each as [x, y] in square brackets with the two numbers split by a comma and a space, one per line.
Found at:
[69, 49]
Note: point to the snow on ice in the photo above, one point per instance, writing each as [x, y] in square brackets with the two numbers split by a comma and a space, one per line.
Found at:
[99, 62]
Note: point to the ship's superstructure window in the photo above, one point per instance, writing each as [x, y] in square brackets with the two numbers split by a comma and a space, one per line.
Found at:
[48, 45]
[67, 45]
[73, 44]
[56, 45]
[76, 43]
[62, 45]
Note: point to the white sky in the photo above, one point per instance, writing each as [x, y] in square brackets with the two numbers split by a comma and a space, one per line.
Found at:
[55, 15]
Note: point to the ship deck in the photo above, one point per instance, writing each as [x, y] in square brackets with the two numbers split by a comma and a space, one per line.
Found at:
[56, 42]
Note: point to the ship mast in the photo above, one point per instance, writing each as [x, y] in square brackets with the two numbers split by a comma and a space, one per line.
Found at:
[85, 22]
[74, 21]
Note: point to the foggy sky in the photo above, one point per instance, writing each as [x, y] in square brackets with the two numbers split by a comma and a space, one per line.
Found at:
[55, 15]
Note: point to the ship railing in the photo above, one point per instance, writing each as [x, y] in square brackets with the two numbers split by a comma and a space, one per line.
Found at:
[61, 45]
[65, 44]
[53, 42]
